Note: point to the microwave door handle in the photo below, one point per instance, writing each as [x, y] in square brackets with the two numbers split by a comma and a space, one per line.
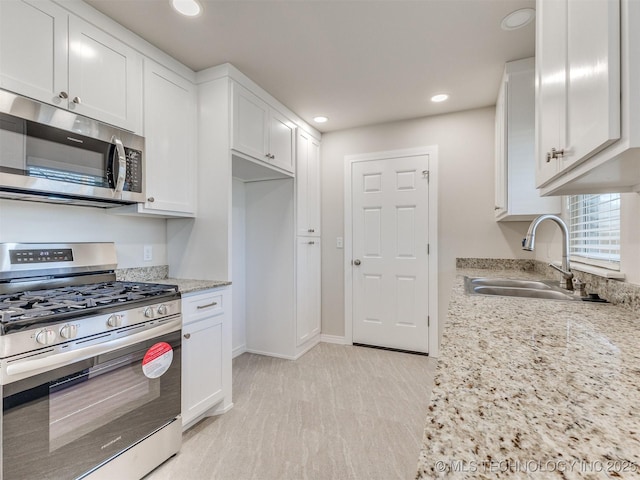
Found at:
[122, 164]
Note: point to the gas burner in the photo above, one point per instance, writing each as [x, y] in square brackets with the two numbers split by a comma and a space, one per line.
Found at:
[68, 301]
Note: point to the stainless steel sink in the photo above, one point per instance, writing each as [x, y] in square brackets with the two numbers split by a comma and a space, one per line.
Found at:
[508, 287]
[509, 282]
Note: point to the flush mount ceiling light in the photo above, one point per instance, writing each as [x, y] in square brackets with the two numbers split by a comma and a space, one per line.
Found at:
[320, 119]
[518, 19]
[441, 97]
[189, 8]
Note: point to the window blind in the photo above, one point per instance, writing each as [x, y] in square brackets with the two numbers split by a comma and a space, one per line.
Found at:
[594, 226]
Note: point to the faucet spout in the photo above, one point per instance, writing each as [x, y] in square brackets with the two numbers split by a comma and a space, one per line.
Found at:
[528, 243]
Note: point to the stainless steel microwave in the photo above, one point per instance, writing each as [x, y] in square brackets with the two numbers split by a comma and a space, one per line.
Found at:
[52, 155]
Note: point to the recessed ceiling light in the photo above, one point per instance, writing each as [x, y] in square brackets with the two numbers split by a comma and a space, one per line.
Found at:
[190, 8]
[441, 97]
[320, 119]
[518, 19]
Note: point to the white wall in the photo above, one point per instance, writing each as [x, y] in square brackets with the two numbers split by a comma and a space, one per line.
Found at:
[22, 221]
[238, 264]
[467, 227]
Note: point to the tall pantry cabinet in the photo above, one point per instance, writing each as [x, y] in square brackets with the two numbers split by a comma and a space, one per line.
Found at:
[253, 196]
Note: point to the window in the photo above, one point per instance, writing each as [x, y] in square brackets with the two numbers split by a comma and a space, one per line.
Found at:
[594, 226]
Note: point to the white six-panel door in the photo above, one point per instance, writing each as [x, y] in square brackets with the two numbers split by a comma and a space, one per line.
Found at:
[390, 252]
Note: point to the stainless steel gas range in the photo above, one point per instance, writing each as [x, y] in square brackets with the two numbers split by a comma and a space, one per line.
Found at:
[89, 366]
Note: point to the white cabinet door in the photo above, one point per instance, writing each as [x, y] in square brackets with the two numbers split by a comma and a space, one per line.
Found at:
[551, 51]
[38, 68]
[170, 134]
[578, 82]
[308, 289]
[105, 77]
[201, 366]
[250, 119]
[281, 141]
[307, 185]
[593, 76]
[206, 353]
[260, 131]
[500, 207]
[517, 198]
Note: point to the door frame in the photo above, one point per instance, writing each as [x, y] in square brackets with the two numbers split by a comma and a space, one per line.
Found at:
[432, 153]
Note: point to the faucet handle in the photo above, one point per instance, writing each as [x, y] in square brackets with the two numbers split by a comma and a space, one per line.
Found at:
[580, 287]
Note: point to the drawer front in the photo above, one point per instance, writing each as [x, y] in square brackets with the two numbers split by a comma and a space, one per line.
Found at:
[205, 304]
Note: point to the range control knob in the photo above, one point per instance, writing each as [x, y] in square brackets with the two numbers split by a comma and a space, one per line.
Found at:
[148, 312]
[163, 309]
[46, 336]
[114, 320]
[69, 331]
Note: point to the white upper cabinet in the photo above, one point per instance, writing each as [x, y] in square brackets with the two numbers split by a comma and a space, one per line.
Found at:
[105, 77]
[170, 115]
[67, 62]
[307, 185]
[516, 195]
[260, 131]
[38, 69]
[587, 72]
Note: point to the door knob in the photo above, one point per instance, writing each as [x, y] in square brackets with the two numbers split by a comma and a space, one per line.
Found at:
[356, 262]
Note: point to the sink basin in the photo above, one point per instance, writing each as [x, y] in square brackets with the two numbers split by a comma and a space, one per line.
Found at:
[508, 287]
[509, 282]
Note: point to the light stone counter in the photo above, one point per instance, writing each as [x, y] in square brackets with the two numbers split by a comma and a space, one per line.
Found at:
[526, 386]
[189, 285]
[158, 274]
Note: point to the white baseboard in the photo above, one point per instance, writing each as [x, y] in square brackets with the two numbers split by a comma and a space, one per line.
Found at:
[334, 339]
[268, 354]
[239, 350]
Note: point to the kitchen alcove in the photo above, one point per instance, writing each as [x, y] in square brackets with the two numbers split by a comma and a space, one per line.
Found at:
[263, 260]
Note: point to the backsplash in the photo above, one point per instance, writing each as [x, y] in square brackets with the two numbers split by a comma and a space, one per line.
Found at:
[615, 291]
[142, 274]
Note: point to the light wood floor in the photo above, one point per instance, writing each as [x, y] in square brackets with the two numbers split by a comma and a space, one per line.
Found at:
[339, 412]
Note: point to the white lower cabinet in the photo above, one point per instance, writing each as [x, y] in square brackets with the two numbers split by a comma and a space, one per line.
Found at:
[206, 354]
[307, 289]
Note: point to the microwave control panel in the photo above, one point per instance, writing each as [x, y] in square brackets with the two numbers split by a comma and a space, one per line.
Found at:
[133, 179]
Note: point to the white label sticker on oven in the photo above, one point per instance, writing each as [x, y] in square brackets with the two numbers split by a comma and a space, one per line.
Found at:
[157, 360]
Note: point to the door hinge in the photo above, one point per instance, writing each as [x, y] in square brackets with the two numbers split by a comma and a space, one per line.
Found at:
[425, 174]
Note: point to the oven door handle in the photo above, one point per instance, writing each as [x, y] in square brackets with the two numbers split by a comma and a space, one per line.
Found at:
[41, 365]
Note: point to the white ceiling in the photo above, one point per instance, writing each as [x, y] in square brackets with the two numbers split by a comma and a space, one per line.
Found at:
[358, 62]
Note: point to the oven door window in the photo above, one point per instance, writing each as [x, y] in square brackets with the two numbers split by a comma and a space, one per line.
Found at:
[61, 424]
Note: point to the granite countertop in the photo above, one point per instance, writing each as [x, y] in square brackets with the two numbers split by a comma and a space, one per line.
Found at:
[190, 285]
[529, 388]
[159, 274]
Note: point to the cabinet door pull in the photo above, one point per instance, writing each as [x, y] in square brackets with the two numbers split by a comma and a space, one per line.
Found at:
[311, 230]
[212, 304]
[187, 336]
[311, 243]
[63, 95]
[77, 100]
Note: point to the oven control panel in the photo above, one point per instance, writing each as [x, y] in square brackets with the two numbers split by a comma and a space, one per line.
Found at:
[21, 257]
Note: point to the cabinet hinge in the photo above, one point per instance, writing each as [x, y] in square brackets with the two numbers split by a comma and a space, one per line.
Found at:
[428, 321]
[425, 175]
[428, 248]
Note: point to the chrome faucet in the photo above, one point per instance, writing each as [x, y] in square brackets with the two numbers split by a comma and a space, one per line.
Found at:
[528, 243]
